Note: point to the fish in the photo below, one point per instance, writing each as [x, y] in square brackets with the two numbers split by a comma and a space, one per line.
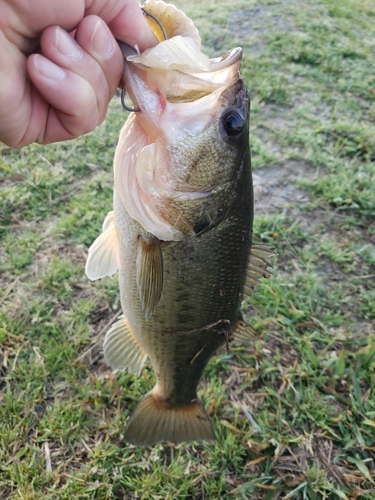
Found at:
[180, 232]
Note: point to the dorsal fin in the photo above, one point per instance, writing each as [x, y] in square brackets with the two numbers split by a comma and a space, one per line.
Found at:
[149, 267]
[103, 258]
[258, 266]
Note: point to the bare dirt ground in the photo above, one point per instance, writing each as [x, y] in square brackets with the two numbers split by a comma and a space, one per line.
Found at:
[275, 187]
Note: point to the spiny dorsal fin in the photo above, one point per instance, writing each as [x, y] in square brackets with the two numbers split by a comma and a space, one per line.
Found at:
[103, 258]
[121, 349]
[242, 332]
[258, 266]
[149, 266]
[153, 422]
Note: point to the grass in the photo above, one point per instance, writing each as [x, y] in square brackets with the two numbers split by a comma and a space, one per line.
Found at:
[295, 412]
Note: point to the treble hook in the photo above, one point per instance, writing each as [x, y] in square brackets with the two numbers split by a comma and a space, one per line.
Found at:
[123, 91]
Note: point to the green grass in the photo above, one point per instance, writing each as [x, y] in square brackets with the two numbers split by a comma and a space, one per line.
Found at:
[294, 413]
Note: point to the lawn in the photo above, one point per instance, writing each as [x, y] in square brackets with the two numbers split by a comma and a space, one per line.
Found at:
[294, 412]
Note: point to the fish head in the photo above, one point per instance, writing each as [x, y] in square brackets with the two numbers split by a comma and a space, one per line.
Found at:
[179, 156]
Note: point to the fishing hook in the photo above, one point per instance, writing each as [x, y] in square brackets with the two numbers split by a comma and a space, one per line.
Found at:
[157, 21]
[123, 94]
[123, 91]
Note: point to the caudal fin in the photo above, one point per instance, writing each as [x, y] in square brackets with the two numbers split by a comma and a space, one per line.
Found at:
[153, 422]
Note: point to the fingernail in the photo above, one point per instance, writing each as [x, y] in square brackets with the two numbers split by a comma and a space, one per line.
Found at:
[101, 40]
[48, 68]
[65, 44]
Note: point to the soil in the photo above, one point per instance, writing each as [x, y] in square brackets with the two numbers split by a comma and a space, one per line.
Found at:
[275, 186]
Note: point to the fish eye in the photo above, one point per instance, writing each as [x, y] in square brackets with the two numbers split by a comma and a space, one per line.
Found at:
[233, 122]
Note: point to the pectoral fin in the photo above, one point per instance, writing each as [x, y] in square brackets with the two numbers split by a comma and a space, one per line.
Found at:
[258, 266]
[149, 266]
[103, 258]
[121, 349]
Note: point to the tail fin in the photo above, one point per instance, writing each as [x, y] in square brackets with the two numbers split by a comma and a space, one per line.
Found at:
[153, 422]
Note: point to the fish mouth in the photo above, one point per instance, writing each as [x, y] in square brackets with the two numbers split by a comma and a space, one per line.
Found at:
[178, 71]
[175, 70]
[152, 90]
[178, 57]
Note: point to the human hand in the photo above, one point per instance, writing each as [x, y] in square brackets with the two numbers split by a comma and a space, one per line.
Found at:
[62, 91]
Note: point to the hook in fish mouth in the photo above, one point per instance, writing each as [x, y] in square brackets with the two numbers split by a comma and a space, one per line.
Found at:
[146, 13]
[123, 94]
[126, 49]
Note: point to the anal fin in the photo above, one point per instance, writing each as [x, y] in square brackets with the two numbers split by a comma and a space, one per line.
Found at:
[153, 422]
[121, 349]
[103, 258]
[149, 267]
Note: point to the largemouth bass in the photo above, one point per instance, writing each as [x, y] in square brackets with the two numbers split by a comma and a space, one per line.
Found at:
[180, 234]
